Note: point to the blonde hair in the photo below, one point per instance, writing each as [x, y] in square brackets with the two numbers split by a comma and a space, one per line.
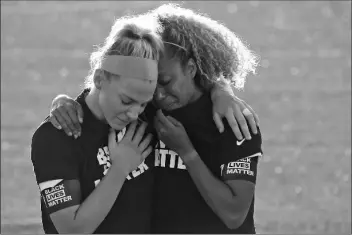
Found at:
[219, 54]
[129, 36]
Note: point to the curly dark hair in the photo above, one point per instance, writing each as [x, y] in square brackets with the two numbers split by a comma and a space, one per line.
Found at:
[219, 54]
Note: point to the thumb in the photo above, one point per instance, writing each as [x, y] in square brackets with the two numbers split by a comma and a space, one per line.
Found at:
[80, 113]
[112, 138]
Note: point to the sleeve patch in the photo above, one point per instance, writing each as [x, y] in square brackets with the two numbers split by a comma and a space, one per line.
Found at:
[244, 169]
[64, 194]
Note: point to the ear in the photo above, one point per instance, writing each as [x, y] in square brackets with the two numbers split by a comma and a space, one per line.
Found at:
[191, 68]
[98, 78]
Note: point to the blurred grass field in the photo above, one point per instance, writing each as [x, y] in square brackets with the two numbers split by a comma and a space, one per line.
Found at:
[302, 94]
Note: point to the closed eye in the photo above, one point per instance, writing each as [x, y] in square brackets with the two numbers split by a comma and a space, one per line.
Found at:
[163, 80]
[126, 101]
[163, 83]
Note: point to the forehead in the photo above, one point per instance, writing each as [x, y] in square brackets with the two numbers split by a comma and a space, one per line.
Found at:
[137, 89]
[167, 65]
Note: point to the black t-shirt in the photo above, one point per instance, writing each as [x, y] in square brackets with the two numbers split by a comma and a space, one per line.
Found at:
[179, 207]
[58, 156]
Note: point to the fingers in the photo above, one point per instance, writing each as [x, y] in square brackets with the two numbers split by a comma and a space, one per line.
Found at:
[256, 118]
[250, 118]
[63, 110]
[233, 123]
[159, 128]
[131, 130]
[79, 112]
[112, 138]
[146, 153]
[145, 143]
[74, 119]
[62, 122]
[218, 122]
[139, 133]
[242, 123]
[162, 119]
[55, 123]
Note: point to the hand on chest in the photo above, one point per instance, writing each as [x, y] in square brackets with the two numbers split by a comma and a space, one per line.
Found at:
[165, 157]
[103, 161]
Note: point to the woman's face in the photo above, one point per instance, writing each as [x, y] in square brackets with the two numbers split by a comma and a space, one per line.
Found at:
[122, 99]
[176, 87]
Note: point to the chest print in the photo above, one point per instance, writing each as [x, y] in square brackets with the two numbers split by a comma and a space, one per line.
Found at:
[104, 161]
[165, 157]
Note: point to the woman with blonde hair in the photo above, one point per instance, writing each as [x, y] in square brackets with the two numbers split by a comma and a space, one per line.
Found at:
[94, 184]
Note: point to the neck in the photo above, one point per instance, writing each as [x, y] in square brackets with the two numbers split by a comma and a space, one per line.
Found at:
[92, 100]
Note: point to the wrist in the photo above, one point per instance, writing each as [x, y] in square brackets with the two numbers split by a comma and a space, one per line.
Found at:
[189, 156]
[119, 171]
[221, 90]
[216, 92]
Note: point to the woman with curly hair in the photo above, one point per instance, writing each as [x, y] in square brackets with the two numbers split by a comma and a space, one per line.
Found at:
[205, 180]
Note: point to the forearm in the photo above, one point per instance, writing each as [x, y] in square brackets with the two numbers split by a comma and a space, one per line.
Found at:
[97, 205]
[220, 198]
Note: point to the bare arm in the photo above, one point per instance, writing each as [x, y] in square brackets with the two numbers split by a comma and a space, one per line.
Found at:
[86, 217]
[230, 200]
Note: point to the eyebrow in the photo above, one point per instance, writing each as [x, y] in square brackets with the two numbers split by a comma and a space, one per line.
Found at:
[135, 101]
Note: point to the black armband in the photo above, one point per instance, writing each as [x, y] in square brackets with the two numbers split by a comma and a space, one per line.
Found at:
[64, 194]
[243, 169]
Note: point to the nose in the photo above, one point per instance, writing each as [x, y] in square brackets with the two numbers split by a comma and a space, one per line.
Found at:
[159, 93]
[134, 112]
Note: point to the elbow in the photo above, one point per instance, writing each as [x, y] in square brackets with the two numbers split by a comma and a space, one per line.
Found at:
[74, 228]
[68, 229]
[234, 220]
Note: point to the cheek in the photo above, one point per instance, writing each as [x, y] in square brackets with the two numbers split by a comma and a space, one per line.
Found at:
[109, 103]
[183, 90]
[174, 89]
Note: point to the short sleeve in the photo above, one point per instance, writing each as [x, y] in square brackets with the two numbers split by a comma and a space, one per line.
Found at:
[53, 155]
[238, 159]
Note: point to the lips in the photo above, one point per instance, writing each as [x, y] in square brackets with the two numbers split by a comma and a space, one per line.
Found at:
[122, 121]
[167, 103]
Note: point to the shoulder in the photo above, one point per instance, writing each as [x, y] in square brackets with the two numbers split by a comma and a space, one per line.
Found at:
[254, 142]
[48, 139]
[228, 144]
[53, 154]
[47, 133]
[239, 158]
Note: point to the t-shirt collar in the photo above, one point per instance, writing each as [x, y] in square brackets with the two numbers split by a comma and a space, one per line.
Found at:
[90, 122]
